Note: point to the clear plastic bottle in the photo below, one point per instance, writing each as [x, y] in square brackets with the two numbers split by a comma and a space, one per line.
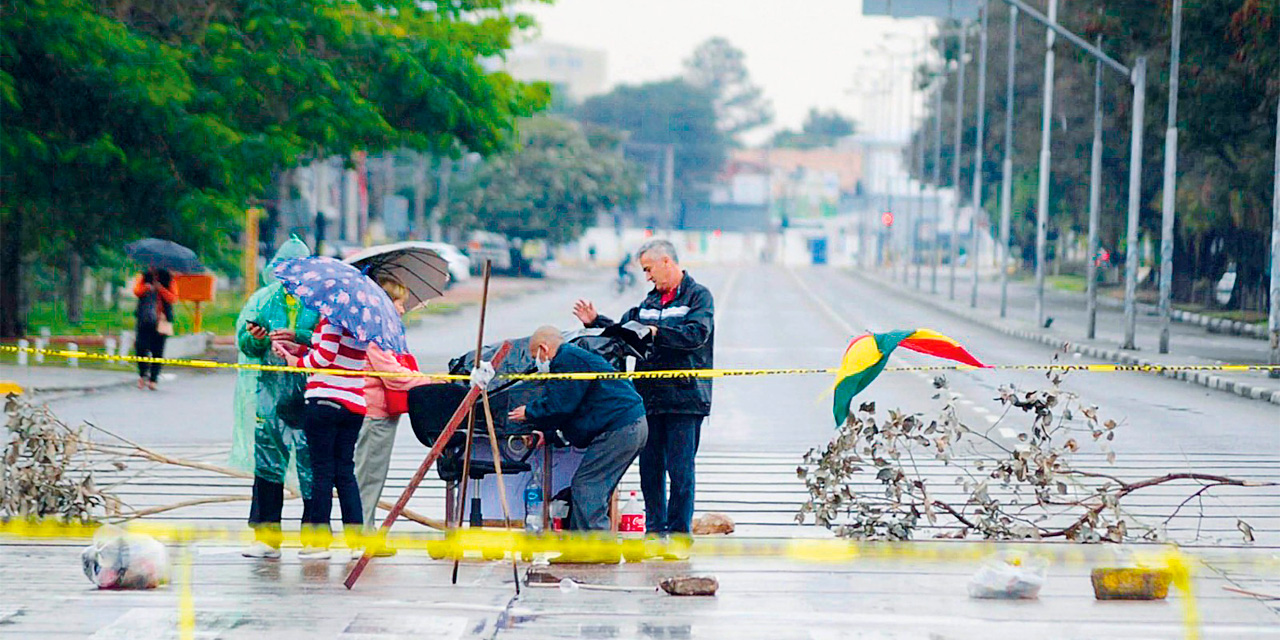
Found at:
[533, 508]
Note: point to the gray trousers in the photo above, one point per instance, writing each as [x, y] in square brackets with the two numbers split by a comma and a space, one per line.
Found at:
[603, 465]
[373, 459]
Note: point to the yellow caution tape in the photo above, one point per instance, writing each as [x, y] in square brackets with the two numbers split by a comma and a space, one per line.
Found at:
[494, 543]
[640, 375]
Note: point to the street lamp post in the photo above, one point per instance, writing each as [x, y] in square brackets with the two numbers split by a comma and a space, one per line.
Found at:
[1138, 78]
[955, 166]
[937, 180]
[1135, 206]
[1006, 172]
[1168, 203]
[1273, 318]
[977, 155]
[1042, 198]
[1095, 191]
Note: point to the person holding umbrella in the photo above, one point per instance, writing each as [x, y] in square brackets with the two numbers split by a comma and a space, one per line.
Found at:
[387, 400]
[354, 311]
[269, 404]
[411, 273]
[153, 321]
[154, 315]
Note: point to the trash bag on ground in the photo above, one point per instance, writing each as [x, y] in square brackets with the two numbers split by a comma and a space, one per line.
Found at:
[1009, 576]
[121, 560]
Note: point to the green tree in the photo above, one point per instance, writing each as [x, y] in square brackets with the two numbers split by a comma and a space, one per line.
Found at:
[552, 186]
[150, 117]
[820, 129]
[719, 67]
[670, 112]
[1229, 89]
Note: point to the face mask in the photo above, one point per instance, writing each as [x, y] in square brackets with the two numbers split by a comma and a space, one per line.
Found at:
[544, 366]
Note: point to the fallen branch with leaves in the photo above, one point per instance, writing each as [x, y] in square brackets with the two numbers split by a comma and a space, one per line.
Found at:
[1025, 490]
[49, 474]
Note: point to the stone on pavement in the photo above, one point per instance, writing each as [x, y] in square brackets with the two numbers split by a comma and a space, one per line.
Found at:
[691, 586]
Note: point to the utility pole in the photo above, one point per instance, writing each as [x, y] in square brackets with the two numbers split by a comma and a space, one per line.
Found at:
[1135, 206]
[955, 165]
[909, 249]
[1095, 194]
[1042, 198]
[1006, 171]
[1168, 204]
[442, 199]
[1138, 78]
[937, 181]
[977, 155]
[921, 147]
[1273, 319]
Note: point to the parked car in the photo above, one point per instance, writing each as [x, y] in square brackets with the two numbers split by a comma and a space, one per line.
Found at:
[459, 263]
[485, 245]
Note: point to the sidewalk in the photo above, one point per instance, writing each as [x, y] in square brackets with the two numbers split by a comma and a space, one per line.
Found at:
[63, 379]
[1189, 344]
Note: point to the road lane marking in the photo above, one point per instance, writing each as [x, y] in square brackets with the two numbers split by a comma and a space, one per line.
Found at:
[822, 305]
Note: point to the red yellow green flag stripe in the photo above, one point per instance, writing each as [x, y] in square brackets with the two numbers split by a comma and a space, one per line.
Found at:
[868, 354]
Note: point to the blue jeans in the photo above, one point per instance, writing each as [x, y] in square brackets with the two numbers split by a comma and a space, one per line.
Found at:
[672, 445]
[607, 458]
[331, 437]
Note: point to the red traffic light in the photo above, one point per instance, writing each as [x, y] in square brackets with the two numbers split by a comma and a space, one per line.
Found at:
[887, 218]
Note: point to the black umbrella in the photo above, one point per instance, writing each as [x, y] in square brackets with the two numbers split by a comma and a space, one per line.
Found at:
[163, 254]
[415, 264]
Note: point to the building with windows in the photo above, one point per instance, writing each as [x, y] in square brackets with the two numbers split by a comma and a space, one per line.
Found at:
[573, 72]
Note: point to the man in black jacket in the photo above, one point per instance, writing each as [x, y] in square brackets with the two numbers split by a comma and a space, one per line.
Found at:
[680, 315]
[605, 417]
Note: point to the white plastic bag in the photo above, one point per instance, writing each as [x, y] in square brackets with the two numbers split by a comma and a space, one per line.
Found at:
[1009, 576]
[120, 560]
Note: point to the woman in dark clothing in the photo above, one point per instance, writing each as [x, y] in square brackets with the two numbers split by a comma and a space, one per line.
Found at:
[153, 321]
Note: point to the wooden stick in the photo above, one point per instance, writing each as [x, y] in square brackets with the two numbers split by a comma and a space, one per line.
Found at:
[466, 479]
[502, 485]
[1255, 594]
[147, 454]
[471, 421]
[151, 511]
[414, 516]
[432, 456]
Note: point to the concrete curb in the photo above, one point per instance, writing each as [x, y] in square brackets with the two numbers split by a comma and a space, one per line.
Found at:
[1214, 325]
[1202, 378]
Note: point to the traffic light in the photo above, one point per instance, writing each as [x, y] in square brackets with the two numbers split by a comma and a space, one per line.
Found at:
[887, 218]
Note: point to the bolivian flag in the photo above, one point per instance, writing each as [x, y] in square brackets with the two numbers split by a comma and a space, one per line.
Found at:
[867, 355]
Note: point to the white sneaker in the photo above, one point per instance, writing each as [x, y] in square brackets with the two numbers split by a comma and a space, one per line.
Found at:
[260, 549]
[314, 553]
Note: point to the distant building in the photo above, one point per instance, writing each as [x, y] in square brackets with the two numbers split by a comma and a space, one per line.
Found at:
[794, 183]
[574, 72]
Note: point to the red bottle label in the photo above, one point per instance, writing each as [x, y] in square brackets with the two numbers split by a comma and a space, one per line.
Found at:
[631, 523]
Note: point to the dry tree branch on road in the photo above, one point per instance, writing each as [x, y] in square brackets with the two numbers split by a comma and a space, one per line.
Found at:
[47, 474]
[1028, 490]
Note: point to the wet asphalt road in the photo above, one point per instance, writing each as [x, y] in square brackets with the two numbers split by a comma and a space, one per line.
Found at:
[768, 316]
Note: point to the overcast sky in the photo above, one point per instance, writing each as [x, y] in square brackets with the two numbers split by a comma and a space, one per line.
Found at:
[803, 53]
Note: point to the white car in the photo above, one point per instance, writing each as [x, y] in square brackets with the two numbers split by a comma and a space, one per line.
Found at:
[459, 263]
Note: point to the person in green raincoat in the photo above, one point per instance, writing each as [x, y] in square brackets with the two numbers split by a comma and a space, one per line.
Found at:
[271, 402]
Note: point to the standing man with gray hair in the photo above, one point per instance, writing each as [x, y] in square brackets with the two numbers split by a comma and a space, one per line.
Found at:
[679, 314]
